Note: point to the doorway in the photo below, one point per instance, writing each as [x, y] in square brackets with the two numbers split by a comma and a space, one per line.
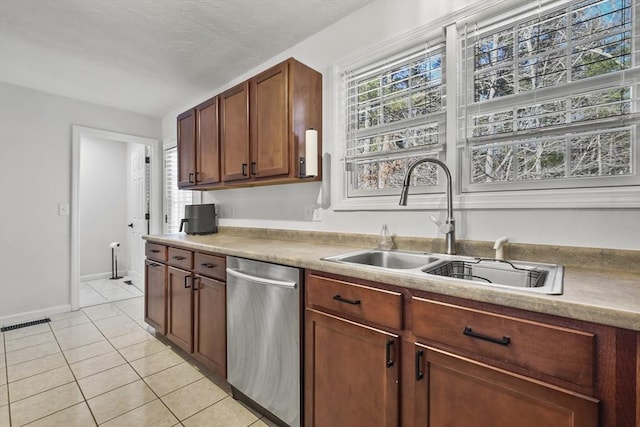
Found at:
[106, 239]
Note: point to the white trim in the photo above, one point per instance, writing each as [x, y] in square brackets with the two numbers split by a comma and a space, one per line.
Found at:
[105, 275]
[575, 198]
[30, 316]
[77, 134]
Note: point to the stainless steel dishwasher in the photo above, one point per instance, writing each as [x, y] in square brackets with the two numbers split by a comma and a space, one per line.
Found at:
[263, 336]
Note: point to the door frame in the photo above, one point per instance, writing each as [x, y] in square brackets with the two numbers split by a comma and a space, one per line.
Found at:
[155, 223]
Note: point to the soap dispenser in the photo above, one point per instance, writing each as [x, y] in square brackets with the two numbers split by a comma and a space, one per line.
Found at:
[384, 240]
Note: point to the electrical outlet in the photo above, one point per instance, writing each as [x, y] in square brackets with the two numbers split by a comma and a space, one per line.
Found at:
[308, 212]
[225, 212]
[63, 209]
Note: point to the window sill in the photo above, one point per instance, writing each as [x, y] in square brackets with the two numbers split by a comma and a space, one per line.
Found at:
[600, 198]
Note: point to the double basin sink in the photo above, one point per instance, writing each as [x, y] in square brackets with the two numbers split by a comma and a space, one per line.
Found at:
[518, 275]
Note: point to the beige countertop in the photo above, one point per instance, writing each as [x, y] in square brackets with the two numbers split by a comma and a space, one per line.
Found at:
[609, 296]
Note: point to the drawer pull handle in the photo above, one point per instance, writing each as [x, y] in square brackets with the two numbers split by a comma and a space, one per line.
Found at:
[244, 169]
[419, 373]
[179, 257]
[502, 341]
[155, 251]
[348, 301]
[153, 264]
[208, 265]
[389, 360]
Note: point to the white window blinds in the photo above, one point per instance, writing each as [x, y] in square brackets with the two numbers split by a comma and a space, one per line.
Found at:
[553, 94]
[395, 113]
[175, 199]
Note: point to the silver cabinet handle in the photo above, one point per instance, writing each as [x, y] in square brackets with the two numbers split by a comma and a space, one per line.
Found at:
[261, 280]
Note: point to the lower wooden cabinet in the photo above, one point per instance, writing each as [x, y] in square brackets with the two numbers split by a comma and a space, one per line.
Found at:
[209, 323]
[455, 391]
[180, 308]
[155, 295]
[188, 304]
[351, 373]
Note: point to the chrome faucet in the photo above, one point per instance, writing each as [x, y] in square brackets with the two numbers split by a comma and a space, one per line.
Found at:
[449, 226]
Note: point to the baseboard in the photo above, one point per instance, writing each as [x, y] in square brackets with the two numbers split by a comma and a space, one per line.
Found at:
[106, 275]
[29, 316]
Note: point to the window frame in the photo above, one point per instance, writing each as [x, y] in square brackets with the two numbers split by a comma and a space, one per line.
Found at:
[384, 199]
[466, 144]
[166, 208]
[618, 196]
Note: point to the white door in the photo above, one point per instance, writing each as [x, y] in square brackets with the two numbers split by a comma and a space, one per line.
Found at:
[139, 209]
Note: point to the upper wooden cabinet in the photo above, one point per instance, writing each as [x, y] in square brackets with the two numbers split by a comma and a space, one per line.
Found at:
[186, 148]
[270, 133]
[207, 143]
[261, 125]
[234, 133]
[198, 146]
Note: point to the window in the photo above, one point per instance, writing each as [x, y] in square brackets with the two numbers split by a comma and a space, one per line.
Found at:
[542, 97]
[175, 199]
[395, 111]
[551, 99]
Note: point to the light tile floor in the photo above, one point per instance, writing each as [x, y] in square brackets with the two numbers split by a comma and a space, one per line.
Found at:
[102, 365]
[100, 291]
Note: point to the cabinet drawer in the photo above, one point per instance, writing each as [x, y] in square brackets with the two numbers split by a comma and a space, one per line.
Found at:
[369, 304]
[559, 352]
[181, 258]
[211, 266]
[156, 252]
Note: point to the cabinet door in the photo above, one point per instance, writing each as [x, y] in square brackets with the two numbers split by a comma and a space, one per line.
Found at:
[155, 295]
[210, 324]
[458, 392]
[180, 308]
[351, 373]
[186, 149]
[270, 122]
[208, 159]
[234, 133]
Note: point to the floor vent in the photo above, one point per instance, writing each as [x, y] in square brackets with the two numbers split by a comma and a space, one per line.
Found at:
[24, 325]
[128, 282]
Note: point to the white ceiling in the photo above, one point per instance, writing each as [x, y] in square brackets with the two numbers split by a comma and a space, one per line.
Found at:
[150, 56]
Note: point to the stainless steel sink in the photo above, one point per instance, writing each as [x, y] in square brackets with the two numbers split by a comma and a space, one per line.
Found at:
[518, 275]
[527, 276]
[386, 259]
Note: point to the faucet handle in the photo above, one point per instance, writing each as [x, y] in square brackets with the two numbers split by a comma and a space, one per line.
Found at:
[498, 246]
[444, 228]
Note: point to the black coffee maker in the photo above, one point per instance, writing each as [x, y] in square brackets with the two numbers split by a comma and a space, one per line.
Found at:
[199, 219]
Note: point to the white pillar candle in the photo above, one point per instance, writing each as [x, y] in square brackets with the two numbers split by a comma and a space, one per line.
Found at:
[311, 152]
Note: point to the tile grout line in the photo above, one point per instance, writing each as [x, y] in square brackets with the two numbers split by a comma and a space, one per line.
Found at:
[185, 357]
[128, 363]
[6, 376]
[179, 388]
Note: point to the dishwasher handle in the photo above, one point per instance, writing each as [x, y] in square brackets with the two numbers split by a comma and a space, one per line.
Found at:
[261, 280]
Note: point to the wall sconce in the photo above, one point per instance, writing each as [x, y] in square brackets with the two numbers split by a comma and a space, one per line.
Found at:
[309, 163]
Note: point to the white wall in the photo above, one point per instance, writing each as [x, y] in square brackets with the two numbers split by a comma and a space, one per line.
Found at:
[283, 206]
[35, 176]
[103, 205]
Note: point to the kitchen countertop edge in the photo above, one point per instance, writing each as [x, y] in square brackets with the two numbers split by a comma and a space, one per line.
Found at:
[586, 296]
